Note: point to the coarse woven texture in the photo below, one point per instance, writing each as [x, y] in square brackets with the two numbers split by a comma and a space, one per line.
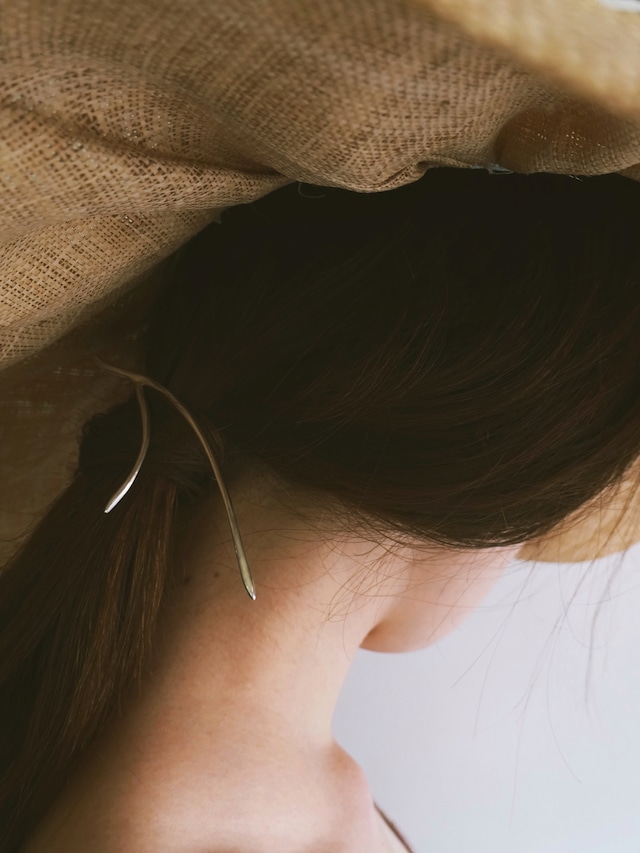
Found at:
[126, 128]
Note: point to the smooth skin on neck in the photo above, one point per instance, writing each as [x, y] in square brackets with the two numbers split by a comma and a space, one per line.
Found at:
[229, 744]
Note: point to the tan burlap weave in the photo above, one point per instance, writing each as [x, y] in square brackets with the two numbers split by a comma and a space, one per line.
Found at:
[126, 127]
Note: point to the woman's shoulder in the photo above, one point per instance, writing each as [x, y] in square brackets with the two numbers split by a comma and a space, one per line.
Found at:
[111, 807]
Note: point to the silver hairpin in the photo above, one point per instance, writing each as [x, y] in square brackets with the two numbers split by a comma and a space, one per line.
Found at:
[140, 381]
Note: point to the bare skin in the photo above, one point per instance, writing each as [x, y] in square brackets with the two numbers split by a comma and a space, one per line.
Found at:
[229, 746]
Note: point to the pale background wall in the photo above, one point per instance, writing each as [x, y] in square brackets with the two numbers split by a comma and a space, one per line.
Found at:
[520, 731]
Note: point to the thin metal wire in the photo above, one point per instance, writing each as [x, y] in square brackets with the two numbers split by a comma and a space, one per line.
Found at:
[140, 381]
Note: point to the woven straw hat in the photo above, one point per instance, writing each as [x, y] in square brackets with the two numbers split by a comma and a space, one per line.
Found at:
[126, 128]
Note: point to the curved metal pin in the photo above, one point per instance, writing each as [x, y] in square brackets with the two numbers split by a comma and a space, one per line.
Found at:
[140, 380]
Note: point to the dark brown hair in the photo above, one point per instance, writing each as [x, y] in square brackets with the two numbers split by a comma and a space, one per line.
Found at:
[454, 362]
